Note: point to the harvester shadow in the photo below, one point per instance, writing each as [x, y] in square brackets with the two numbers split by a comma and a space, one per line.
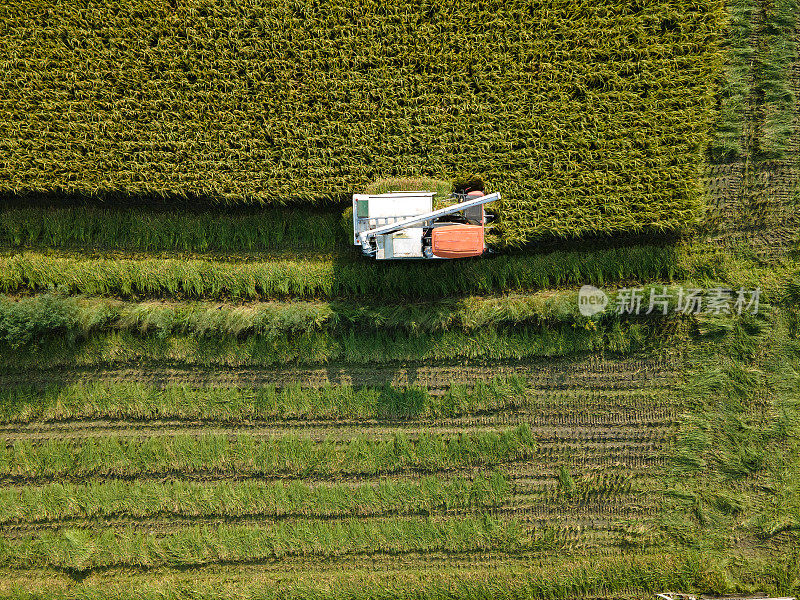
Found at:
[150, 202]
[376, 341]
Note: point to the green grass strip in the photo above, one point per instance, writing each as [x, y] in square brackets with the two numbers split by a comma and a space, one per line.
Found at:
[772, 71]
[548, 578]
[331, 278]
[32, 321]
[251, 456]
[27, 319]
[322, 348]
[139, 500]
[144, 402]
[138, 401]
[82, 550]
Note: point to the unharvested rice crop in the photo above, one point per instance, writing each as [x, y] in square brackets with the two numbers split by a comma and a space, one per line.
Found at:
[588, 116]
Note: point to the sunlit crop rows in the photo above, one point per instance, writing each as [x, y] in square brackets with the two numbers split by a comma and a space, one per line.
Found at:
[588, 117]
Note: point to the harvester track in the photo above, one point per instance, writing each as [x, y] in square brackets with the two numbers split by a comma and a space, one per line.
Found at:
[593, 371]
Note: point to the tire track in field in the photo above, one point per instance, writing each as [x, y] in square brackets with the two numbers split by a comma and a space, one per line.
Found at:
[636, 457]
[340, 431]
[538, 512]
[210, 475]
[551, 373]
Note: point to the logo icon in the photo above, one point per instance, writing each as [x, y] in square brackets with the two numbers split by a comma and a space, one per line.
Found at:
[591, 300]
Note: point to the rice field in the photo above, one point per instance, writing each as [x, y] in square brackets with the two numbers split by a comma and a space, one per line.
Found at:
[168, 445]
[357, 472]
[153, 230]
[225, 403]
[273, 103]
[304, 278]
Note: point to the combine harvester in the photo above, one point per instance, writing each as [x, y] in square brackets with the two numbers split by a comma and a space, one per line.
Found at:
[404, 225]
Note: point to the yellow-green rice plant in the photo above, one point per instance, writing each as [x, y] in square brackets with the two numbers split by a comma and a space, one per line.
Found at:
[597, 124]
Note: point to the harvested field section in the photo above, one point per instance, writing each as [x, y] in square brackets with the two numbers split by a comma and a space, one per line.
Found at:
[551, 467]
[605, 373]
